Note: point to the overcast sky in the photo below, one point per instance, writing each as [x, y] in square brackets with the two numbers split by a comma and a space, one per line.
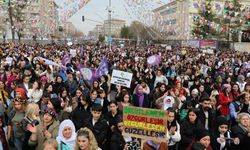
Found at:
[96, 10]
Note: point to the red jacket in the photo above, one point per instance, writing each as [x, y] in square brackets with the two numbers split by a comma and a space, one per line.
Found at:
[224, 102]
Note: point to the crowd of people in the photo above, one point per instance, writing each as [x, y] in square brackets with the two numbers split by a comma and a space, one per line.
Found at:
[47, 106]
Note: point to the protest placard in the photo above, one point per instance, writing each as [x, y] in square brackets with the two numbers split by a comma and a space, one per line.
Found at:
[73, 52]
[121, 78]
[144, 123]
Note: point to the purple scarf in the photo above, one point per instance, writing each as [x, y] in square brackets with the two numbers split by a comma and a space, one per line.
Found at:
[140, 95]
[153, 144]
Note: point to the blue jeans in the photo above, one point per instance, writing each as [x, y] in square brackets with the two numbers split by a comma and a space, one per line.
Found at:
[18, 142]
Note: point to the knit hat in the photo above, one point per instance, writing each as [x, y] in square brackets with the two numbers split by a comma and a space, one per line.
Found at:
[221, 120]
[56, 104]
[50, 112]
[225, 86]
[44, 78]
[201, 133]
[21, 92]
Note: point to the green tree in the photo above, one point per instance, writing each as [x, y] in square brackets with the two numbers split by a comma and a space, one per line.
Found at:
[101, 38]
[124, 32]
[202, 23]
[233, 19]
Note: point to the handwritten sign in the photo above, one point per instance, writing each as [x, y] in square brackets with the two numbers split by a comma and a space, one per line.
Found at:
[121, 78]
[73, 52]
[144, 123]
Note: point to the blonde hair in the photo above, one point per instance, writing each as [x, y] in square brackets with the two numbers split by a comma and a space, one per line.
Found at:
[31, 109]
[89, 135]
[52, 142]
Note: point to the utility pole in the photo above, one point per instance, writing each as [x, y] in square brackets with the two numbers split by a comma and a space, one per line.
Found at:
[109, 14]
[11, 20]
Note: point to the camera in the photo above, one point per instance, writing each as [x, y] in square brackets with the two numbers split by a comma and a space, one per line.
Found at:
[27, 121]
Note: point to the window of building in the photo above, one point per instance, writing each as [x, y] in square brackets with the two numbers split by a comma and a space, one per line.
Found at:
[170, 22]
[169, 11]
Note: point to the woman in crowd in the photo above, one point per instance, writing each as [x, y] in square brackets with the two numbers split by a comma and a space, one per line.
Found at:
[225, 98]
[241, 132]
[235, 91]
[173, 132]
[14, 126]
[49, 89]
[31, 117]
[187, 129]
[85, 140]
[3, 92]
[208, 85]
[104, 84]
[245, 103]
[202, 140]
[121, 142]
[75, 99]
[95, 85]
[140, 99]
[59, 85]
[46, 130]
[66, 135]
[35, 93]
[83, 110]
[26, 83]
[3, 134]
[125, 101]
[222, 139]
[66, 106]
[159, 78]
[50, 144]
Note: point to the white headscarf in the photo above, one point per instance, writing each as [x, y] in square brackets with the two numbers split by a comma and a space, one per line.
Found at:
[71, 141]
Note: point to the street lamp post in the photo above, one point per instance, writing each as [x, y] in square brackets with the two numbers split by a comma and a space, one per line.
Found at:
[109, 14]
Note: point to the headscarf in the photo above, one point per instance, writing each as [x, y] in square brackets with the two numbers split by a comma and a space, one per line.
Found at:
[71, 141]
[140, 95]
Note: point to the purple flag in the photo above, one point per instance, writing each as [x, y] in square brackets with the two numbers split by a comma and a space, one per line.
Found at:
[66, 59]
[81, 52]
[103, 68]
[79, 67]
[154, 60]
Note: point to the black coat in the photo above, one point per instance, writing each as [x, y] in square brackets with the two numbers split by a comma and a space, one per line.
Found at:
[135, 100]
[211, 119]
[112, 121]
[244, 138]
[187, 131]
[117, 141]
[100, 130]
[80, 116]
[229, 143]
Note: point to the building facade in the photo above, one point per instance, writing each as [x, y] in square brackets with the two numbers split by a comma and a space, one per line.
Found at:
[36, 19]
[116, 26]
[175, 20]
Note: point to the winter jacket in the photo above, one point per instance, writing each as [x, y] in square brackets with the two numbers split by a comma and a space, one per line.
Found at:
[117, 141]
[187, 132]
[53, 130]
[146, 102]
[224, 101]
[85, 114]
[99, 129]
[243, 136]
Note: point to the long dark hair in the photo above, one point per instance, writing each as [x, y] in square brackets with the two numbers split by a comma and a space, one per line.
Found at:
[174, 122]
[194, 110]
